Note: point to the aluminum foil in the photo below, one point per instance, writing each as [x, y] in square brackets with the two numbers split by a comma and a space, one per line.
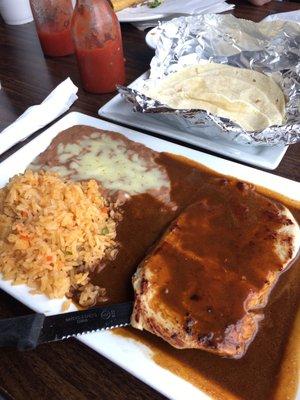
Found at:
[269, 47]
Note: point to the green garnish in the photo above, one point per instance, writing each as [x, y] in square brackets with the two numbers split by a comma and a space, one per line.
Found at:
[105, 231]
[155, 3]
[68, 253]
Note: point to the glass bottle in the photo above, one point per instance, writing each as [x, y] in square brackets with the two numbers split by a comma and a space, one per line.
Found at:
[98, 46]
[53, 24]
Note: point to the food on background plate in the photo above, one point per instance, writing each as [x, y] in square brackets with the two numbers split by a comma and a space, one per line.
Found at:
[249, 98]
[121, 4]
[52, 233]
[154, 3]
[207, 281]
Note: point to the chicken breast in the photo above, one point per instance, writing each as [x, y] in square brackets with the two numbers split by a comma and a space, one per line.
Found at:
[206, 282]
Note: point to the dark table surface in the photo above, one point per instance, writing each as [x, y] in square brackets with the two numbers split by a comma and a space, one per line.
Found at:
[69, 370]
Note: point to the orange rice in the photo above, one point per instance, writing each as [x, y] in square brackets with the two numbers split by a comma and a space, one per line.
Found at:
[53, 233]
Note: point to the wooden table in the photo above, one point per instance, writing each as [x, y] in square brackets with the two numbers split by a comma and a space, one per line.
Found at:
[69, 370]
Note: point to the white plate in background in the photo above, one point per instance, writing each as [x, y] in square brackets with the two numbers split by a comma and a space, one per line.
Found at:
[119, 110]
[128, 353]
[142, 13]
[125, 16]
[137, 14]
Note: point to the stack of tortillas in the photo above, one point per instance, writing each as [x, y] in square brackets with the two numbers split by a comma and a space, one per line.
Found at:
[249, 98]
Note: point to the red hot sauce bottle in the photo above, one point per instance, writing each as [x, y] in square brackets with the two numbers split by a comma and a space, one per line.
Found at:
[53, 24]
[98, 46]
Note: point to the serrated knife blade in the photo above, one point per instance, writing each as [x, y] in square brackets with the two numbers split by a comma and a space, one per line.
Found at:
[28, 331]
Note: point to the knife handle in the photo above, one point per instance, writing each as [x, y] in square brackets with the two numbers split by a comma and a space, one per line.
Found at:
[21, 332]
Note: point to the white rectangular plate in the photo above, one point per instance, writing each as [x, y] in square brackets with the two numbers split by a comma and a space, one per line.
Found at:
[119, 110]
[127, 353]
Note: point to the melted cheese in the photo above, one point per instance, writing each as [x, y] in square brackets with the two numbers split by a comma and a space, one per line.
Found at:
[112, 163]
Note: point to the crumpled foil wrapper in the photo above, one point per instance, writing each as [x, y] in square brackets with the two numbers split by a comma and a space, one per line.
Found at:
[269, 47]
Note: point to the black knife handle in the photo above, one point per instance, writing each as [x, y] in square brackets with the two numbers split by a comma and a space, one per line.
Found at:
[21, 332]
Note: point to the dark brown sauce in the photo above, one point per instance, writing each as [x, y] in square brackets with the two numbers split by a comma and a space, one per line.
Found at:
[253, 377]
[217, 261]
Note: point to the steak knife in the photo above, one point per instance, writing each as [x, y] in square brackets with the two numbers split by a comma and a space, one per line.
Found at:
[27, 332]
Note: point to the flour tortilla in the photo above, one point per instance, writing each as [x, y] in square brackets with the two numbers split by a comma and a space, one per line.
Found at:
[251, 99]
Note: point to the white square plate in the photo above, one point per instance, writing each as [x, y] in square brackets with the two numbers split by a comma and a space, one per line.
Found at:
[119, 110]
[127, 353]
